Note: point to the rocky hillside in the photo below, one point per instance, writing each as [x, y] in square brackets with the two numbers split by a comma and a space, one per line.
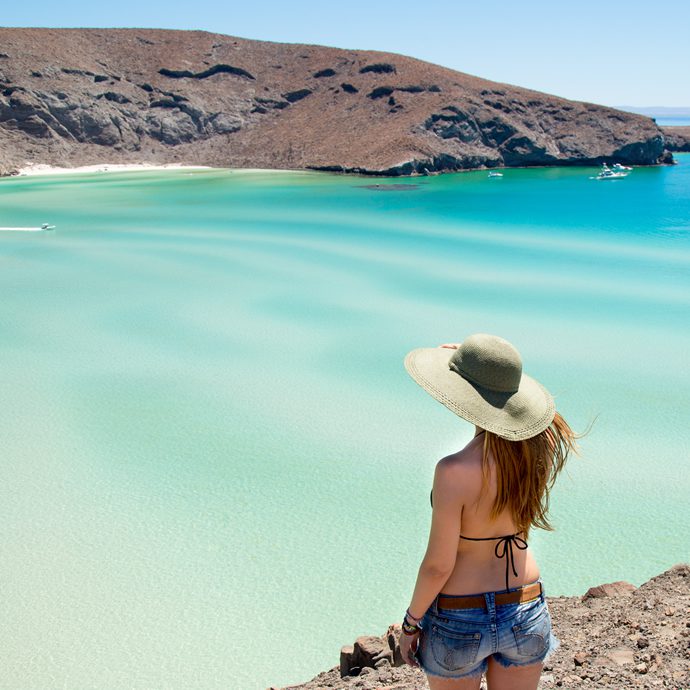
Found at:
[677, 138]
[614, 637]
[78, 97]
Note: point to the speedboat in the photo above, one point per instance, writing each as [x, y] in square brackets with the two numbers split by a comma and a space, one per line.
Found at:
[617, 167]
[493, 173]
[46, 226]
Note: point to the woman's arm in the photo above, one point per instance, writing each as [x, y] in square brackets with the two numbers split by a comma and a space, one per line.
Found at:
[439, 559]
[442, 550]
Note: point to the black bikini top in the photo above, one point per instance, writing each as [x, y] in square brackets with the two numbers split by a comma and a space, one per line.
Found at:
[504, 547]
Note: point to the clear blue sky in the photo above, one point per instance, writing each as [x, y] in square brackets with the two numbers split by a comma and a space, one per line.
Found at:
[614, 52]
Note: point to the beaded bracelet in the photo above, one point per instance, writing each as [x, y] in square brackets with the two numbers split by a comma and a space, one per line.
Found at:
[409, 629]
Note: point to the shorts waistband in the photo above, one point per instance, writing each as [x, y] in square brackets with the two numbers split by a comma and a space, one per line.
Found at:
[520, 595]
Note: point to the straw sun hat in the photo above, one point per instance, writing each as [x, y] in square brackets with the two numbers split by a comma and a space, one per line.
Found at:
[482, 382]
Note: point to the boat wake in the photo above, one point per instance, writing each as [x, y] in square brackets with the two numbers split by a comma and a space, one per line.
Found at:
[42, 228]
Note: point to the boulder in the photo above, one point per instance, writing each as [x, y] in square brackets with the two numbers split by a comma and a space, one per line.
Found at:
[610, 590]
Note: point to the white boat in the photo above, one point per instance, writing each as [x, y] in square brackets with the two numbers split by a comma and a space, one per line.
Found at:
[617, 167]
[493, 173]
[607, 174]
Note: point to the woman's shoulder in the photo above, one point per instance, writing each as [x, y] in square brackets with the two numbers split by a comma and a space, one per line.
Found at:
[464, 464]
[468, 457]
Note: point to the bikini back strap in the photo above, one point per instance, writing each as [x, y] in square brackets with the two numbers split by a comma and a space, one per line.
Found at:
[504, 549]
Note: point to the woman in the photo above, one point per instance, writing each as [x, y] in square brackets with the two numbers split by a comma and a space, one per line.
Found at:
[478, 604]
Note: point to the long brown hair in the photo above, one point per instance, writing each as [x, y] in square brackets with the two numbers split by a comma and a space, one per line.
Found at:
[526, 471]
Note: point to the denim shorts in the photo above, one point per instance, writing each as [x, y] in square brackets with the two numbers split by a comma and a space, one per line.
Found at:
[456, 643]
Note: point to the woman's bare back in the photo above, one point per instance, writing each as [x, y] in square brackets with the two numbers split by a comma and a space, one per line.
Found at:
[477, 567]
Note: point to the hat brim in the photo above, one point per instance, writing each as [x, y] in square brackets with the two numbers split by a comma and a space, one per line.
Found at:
[513, 416]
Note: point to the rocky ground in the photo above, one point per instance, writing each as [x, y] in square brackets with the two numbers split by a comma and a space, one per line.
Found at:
[612, 638]
[73, 97]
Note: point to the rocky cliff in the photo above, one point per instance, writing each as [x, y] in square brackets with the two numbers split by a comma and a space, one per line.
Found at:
[677, 138]
[616, 636]
[76, 97]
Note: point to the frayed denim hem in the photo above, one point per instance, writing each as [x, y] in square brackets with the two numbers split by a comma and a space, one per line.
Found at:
[507, 663]
[475, 673]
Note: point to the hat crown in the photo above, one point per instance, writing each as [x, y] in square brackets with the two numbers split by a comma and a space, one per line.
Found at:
[488, 361]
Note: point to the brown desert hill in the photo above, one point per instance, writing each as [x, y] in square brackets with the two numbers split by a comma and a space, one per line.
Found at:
[84, 96]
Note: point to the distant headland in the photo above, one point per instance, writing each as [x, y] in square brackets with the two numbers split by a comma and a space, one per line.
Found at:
[75, 97]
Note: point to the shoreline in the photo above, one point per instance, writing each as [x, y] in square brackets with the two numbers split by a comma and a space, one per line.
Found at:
[45, 169]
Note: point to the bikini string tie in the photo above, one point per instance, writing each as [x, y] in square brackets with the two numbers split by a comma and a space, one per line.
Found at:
[504, 549]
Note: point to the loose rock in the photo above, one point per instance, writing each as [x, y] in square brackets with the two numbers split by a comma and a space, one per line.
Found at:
[580, 658]
[613, 589]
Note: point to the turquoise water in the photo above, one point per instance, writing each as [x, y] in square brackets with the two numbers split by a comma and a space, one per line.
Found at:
[215, 471]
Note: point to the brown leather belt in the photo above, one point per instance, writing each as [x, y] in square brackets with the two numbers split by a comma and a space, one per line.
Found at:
[518, 596]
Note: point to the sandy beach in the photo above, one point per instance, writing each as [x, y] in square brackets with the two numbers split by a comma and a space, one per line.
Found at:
[43, 169]
[37, 169]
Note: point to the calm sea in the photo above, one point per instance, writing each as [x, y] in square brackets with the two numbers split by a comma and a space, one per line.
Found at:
[677, 121]
[214, 469]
